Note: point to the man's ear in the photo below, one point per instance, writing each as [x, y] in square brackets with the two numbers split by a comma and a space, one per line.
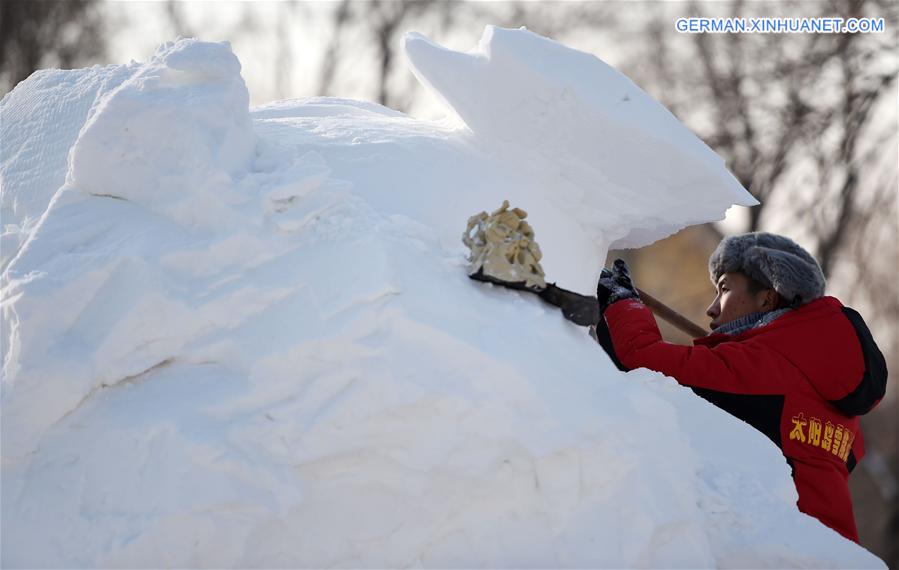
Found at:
[771, 300]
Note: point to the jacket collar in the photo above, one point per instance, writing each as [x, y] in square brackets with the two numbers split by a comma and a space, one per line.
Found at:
[809, 310]
[750, 321]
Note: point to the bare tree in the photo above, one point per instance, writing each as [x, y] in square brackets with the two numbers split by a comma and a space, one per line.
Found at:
[284, 57]
[177, 20]
[381, 24]
[36, 34]
[332, 52]
[210, 23]
[822, 91]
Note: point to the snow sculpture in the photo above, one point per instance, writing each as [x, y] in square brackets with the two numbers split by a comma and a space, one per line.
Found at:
[502, 246]
[248, 343]
[173, 137]
[612, 158]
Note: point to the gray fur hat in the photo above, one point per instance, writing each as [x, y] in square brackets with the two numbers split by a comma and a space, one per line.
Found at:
[775, 261]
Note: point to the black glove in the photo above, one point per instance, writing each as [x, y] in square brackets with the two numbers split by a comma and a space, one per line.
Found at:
[615, 285]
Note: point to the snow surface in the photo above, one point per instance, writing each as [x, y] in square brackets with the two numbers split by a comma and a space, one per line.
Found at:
[238, 337]
[40, 123]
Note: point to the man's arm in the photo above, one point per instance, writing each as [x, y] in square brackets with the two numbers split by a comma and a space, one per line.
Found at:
[740, 368]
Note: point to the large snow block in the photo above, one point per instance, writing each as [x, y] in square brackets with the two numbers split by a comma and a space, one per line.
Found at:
[39, 122]
[624, 167]
[173, 137]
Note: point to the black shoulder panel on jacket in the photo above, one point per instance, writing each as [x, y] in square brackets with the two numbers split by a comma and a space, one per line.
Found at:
[873, 383]
[760, 411]
[604, 338]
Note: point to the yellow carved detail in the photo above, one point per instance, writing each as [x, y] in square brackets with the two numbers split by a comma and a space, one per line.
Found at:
[502, 245]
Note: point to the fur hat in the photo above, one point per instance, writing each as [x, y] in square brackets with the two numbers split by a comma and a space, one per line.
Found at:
[775, 261]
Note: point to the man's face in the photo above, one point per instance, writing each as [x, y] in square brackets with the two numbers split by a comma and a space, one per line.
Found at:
[734, 300]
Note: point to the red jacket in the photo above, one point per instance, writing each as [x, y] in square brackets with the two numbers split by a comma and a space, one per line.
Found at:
[802, 380]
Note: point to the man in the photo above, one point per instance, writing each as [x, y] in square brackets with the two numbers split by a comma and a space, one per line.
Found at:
[795, 364]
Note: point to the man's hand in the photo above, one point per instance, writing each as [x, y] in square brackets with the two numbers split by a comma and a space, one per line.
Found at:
[615, 285]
